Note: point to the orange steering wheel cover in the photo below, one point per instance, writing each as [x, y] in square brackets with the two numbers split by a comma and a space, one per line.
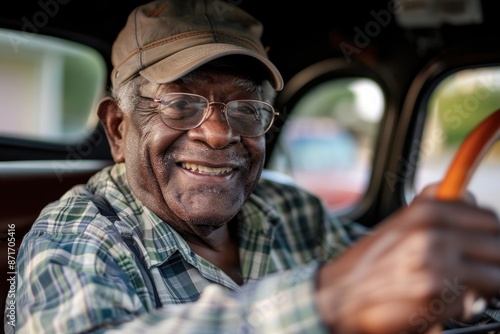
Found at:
[467, 158]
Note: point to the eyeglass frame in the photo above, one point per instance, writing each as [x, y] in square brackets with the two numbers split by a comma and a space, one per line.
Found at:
[207, 114]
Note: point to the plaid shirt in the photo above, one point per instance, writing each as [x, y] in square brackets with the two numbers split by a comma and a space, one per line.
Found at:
[76, 274]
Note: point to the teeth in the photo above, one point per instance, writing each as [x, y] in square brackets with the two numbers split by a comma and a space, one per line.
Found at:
[206, 169]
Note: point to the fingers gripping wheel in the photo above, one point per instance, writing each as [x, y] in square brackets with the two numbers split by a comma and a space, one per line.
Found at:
[467, 158]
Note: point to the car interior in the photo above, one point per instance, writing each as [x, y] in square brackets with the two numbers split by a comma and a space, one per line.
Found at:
[379, 99]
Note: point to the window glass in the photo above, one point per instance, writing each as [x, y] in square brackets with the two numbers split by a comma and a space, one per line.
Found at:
[48, 86]
[327, 142]
[458, 104]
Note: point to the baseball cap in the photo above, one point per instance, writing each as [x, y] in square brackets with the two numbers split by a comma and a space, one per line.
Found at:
[164, 40]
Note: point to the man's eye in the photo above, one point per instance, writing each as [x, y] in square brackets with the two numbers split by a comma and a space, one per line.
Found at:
[247, 112]
[180, 105]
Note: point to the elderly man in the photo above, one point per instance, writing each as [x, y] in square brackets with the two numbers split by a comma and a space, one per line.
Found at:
[182, 235]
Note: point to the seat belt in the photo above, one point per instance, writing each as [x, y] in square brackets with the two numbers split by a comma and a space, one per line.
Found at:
[107, 211]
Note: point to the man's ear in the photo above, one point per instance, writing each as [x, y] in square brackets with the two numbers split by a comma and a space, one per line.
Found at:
[112, 118]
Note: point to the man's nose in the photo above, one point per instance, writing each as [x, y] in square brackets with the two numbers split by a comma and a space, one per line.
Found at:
[215, 130]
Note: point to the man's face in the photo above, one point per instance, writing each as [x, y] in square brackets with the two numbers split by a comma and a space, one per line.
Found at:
[198, 179]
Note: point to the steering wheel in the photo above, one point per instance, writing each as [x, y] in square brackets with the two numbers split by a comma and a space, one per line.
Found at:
[454, 184]
[467, 158]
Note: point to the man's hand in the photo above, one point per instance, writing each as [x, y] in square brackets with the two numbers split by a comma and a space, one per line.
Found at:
[423, 265]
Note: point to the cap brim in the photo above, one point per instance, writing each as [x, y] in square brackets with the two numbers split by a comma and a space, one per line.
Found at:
[181, 63]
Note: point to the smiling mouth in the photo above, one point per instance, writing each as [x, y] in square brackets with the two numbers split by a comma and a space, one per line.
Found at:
[206, 170]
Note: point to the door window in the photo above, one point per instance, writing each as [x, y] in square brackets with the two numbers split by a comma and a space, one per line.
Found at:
[49, 87]
[328, 140]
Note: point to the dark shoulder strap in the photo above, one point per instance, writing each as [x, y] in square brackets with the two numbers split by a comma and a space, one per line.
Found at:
[107, 211]
[104, 207]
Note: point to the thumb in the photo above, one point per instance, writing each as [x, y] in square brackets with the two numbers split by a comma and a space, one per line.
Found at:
[430, 192]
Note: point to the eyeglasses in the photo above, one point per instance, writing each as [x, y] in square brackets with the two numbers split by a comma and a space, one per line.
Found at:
[184, 111]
